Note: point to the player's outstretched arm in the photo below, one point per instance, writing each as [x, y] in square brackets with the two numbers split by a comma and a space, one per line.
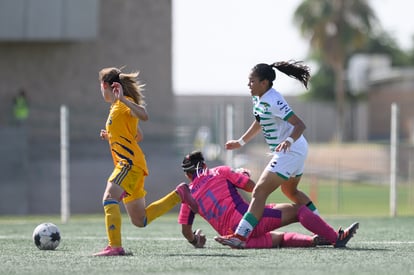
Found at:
[253, 130]
[196, 238]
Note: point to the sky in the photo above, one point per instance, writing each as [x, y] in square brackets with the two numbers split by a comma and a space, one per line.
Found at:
[217, 42]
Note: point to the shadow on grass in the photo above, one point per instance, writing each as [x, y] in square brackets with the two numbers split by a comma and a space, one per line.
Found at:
[205, 255]
[127, 254]
[351, 248]
[367, 249]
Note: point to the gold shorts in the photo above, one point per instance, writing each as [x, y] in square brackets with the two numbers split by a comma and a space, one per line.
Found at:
[131, 180]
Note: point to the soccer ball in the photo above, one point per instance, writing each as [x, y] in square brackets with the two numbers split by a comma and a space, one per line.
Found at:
[46, 236]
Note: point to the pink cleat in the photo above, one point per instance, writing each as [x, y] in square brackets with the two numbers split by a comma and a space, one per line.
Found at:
[184, 192]
[111, 251]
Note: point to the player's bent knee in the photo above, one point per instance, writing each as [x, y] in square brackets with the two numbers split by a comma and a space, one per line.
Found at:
[139, 222]
[288, 191]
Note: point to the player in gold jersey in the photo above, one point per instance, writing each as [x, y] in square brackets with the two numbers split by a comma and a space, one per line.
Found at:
[126, 183]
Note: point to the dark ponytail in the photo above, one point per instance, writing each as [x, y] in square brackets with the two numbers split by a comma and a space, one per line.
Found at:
[294, 69]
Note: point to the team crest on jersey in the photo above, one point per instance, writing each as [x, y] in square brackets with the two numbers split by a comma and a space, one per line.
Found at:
[266, 105]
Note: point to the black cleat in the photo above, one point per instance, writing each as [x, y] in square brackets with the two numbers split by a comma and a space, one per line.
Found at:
[345, 235]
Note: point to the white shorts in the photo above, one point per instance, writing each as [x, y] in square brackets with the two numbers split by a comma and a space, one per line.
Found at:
[292, 163]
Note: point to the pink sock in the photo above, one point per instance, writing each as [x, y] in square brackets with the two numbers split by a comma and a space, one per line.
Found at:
[315, 224]
[291, 239]
[264, 241]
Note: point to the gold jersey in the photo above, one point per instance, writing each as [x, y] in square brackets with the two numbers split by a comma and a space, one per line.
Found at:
[121, 127]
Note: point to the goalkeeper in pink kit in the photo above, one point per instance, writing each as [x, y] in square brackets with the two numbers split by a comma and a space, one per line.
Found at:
[222, 206]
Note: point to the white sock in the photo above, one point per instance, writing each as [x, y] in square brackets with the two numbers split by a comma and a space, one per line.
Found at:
[244, 228]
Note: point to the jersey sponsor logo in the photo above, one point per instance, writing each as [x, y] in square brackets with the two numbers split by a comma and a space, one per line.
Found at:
[203, 176]
[283, 106]
[200, 183]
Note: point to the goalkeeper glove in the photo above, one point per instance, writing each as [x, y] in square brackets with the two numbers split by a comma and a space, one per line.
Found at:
[199, 239]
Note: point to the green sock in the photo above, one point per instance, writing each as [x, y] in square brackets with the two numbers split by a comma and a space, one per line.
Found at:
[312, 207]
[250, 218]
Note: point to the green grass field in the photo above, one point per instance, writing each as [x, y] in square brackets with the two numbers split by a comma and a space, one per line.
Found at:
[382, 245]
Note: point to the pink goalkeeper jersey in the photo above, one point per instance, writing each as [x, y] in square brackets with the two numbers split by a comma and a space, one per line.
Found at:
[221, 205]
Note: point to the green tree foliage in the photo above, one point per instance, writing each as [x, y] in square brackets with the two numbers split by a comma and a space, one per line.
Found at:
[322, 85]
[336, 28]
[323, 81]
[385, 44]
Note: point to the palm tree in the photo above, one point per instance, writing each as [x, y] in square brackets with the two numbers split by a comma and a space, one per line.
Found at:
[336, 28]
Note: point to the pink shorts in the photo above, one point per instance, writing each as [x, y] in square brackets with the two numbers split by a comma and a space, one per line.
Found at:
[270, 221]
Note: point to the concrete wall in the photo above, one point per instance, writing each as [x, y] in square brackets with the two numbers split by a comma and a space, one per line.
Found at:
[14, 178]
[135, 34]
[400, 90]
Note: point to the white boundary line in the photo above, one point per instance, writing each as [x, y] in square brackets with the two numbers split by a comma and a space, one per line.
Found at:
[19, 237]
[387, 242]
